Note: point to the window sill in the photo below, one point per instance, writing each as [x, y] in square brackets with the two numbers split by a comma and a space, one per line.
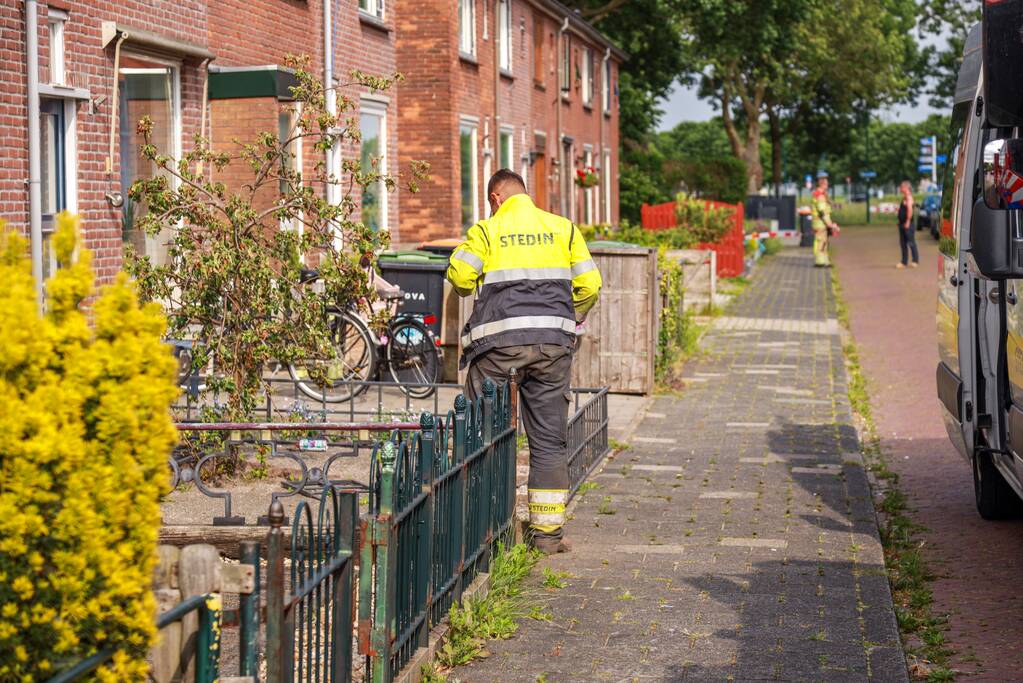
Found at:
[539, 85]
[567, 99]
[507, 75]
[607, 114]
[468, 58]
[373, 22]
[588, 107]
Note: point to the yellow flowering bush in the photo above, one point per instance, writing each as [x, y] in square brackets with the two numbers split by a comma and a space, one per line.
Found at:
[85, 430]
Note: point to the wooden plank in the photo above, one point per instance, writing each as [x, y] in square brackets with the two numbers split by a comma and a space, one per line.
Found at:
[198, 574]
[166, 654]
[224, 538]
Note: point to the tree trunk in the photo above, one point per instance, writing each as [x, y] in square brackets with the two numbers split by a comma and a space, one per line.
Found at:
[754, 167]
[775, 123]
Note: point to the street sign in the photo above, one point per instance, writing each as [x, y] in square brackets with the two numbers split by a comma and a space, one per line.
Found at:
[941, 158]
[925, 168]
[925, 159]
[868, 174]
[927, 141]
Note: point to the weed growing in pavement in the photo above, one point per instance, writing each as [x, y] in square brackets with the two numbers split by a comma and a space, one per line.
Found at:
[586, 487]
[906, 569]
[553, 579]
[605, 506]
[495, 616]
[618, 446]
[521, 441]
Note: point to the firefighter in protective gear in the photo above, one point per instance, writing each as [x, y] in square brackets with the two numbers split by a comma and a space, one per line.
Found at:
[534, 282]
[823, 226]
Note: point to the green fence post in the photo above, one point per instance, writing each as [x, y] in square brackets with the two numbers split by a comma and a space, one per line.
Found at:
[207, 654]
[383, 537]
[275, 596]
[459, 433]
[427, 435]
[341, 621]
[248, 615]
[485, 509]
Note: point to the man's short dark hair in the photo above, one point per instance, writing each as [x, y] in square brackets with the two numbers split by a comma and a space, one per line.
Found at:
[505, 177]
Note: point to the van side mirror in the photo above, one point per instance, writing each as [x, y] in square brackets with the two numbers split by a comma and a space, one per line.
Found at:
[1003, 174]
[995, 252]
[1003, 53]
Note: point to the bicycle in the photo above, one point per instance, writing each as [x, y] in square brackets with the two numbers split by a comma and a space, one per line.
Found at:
[407, 349]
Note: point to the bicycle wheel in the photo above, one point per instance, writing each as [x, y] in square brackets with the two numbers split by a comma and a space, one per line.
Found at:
[341, 377]
[413, 358]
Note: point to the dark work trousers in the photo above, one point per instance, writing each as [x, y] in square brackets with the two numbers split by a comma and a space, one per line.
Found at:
[907, 242]
[543, 372]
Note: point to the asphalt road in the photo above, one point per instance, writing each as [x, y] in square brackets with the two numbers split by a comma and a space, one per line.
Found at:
[979, 565]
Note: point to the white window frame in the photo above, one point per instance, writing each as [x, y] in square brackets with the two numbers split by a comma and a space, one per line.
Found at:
[374, 8]
[605, 177]
[294, 113]
[504, 35]
[376, 107]
[174, 66]
[472, 123]
[467, 27]
[606, 82]
[506, 157]
[587, 57]
[56, 20]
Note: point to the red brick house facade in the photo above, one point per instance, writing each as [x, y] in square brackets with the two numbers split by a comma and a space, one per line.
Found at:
[171, 60]
[479, 99]
[520, 84]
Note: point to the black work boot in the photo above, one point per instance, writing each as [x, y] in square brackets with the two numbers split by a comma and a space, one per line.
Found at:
[549, 545]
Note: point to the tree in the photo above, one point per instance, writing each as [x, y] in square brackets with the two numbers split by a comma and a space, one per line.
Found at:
[952, 18]
[766, 58]
[233, 280]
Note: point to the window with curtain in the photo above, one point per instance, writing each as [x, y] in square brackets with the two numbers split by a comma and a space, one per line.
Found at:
[504, 34]
[146, 88]
[467, 149]
[467, 27]
[565, 72]
[587, 76]
[373, 155]
[606, 83]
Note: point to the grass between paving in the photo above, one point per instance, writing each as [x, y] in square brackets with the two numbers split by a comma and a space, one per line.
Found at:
[923, 634]
[495, 616]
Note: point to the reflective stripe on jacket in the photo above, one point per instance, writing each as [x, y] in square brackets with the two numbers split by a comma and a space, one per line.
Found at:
[821, 209]
[532, 274]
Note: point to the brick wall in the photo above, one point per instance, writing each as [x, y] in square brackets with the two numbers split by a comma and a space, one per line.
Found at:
[442, 87]
[89, 66]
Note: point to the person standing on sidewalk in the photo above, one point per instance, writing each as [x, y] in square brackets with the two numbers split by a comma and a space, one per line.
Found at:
[534, 282]
[907, 235]
[823, 226]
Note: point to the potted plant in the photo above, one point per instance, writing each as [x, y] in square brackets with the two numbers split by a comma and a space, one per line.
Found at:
[587, 177]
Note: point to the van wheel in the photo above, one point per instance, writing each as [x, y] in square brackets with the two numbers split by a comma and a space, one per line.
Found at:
[995, 498]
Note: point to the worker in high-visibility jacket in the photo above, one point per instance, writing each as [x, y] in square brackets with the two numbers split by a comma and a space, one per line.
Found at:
[534, 282]
[823, 226]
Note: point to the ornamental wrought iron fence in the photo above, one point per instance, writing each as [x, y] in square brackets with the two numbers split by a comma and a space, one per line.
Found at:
[440, 501]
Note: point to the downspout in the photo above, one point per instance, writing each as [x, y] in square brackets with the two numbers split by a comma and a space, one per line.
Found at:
[35, 201]
[561, 147]
[605, 185]
[330, 94]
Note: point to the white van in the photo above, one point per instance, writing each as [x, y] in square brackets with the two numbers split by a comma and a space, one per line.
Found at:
[980, 296]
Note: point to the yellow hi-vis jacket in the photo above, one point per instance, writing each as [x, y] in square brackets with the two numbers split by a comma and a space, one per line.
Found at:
[533, 276]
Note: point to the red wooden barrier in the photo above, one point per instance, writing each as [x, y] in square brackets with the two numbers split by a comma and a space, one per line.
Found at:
[730, 248]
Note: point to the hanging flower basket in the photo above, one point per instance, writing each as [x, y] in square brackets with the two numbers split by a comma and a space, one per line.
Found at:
[587, 177]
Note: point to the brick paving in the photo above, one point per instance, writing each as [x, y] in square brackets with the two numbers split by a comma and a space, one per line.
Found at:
[978, 564]
[736, 539]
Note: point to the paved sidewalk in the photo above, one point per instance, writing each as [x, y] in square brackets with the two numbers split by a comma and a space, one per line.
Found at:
[736, 540]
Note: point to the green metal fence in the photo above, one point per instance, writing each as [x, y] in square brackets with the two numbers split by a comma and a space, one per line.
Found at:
[587, 435]
[309, 620]
[440, 500]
